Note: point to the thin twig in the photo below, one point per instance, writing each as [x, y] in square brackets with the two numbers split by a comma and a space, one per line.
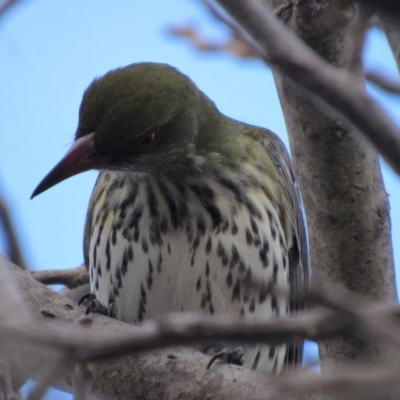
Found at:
[383, 82]
[71, 278]
[389, 7]
[253, 48]
[357, 379]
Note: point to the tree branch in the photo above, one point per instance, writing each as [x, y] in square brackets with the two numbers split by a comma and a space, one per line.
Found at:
[383, 81]
[71, 278]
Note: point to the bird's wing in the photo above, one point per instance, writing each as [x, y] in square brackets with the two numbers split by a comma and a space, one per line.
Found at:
[298, 252]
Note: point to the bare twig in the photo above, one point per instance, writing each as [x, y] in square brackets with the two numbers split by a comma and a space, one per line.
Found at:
[239, 44]
[71, 278]
[235, 45]
[252, 49]
[383, 82]
[360, 382]
[385, 323]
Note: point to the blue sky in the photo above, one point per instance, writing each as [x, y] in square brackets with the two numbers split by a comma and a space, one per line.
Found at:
[51, 50]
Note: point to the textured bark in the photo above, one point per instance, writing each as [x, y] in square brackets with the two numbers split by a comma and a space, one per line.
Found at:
[345, 200]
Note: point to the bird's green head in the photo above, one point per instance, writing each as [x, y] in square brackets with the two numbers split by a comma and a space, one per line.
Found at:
[144, 117]
[138, 110]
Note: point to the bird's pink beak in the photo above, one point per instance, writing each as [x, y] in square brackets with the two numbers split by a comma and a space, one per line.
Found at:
[82, 156]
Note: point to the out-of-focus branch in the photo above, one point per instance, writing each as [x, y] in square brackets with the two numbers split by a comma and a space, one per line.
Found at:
[383, 82]
[357, 383]
[388, 7]
[235, 45]
[6, 5]
[239, 44]
[71, 278]
[13, 244]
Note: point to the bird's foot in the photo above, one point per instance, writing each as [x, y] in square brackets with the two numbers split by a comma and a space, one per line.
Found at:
[223, 354]
[94, 306]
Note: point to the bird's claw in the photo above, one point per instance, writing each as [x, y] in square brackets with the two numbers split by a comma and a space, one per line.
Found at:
[235, 356]
[86, 297]
[94, 306]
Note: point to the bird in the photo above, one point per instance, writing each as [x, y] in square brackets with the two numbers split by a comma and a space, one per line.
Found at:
[192, 210]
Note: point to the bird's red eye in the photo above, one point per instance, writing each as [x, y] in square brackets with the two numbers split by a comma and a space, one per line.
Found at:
[147, 140]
